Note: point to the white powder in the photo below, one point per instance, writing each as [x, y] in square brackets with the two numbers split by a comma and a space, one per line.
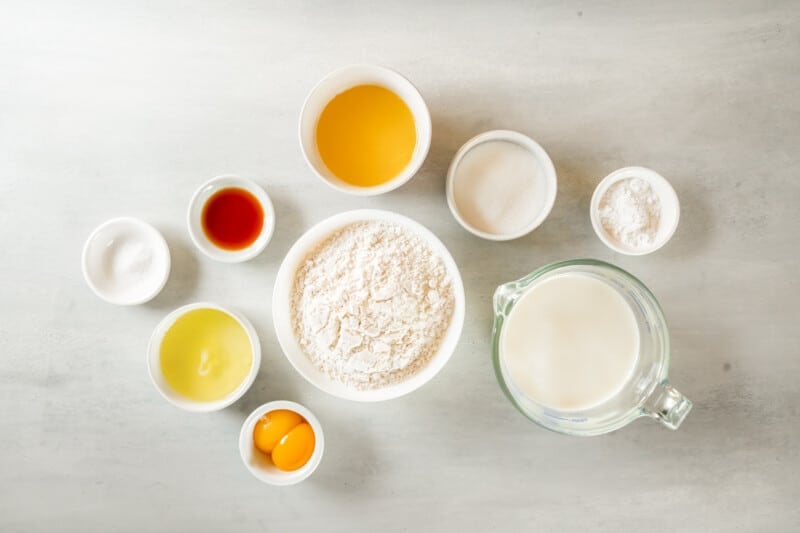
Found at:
[630, 212]
[499, 187]
[131, 260]
[371, 304]
[129, 263]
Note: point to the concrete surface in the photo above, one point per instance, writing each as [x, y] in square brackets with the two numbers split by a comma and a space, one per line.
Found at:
[115, 108]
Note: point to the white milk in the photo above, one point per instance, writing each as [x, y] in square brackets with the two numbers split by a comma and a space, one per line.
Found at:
[570, 343]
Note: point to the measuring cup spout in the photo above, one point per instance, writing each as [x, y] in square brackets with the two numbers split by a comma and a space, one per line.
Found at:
[668, 406]
[503, 296]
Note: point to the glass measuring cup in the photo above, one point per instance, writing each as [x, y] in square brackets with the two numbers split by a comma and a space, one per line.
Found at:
[646, 392]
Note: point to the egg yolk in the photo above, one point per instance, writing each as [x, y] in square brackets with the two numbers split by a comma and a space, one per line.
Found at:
[286, 437]
[272, 427]
[295, 448]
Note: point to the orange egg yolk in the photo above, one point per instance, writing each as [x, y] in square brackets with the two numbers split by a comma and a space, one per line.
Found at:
[295, 448]
[271, 428]
[286, 437]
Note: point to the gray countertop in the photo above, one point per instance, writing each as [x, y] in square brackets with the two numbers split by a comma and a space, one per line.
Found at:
[124, 108]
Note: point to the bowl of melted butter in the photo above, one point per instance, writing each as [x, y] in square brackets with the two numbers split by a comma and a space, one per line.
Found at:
[203, 357]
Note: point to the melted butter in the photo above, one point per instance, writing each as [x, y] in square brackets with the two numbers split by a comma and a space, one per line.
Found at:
[205, 355]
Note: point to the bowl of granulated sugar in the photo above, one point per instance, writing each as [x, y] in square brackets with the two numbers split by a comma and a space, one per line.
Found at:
[368, 305]
[501, 185]
[634, 211]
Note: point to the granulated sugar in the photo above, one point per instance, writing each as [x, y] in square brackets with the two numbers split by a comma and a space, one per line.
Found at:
[499, 188]
[630, 212]
[371, 304]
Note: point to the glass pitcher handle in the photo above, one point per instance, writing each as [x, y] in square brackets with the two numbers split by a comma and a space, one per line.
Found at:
[668, 406]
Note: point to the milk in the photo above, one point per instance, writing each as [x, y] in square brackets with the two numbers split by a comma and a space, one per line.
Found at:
[570, 342]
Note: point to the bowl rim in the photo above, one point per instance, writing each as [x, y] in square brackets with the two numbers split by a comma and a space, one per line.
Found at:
[281, 307]
[541, 156]
[159, 244]
[649, 175]
[411, 168]
[194, 215]
[285, 478]
[154, 356]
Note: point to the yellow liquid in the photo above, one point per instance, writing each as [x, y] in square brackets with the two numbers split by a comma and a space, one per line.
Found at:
[366, 135]
[205, 355]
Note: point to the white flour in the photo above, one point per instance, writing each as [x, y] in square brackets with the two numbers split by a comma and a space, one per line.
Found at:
[371, 304]
[630, 212]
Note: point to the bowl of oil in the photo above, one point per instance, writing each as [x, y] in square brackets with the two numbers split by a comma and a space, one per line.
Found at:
[203, 357]
[365, 130]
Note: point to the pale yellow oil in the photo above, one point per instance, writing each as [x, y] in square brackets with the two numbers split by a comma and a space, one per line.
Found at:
[366, 135]
[205, 355]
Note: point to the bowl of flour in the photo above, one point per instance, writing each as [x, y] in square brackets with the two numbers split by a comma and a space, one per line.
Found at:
[368, 305]
[634, 211]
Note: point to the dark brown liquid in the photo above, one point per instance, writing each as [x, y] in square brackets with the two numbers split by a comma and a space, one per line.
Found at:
[233, 218]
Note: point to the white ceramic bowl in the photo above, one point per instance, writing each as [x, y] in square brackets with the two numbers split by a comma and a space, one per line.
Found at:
[546, 183]
[160, 383]
[195, 219]
[126, 261]
[670, 209]
[345, 78]
[260, 465]
[281, 307]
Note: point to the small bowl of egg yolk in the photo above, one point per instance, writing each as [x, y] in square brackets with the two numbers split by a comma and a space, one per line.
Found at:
[281, 443]
[365, 130]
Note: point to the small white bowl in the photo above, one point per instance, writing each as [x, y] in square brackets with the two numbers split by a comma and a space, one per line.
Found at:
[260, 465]
[160, 383]
[670, 209]
[547, 183]
[281, 308]
[195, 219]
[126, 261]
[339, 81]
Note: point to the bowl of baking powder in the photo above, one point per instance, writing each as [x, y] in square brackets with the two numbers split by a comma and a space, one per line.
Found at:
[368, 305]
[634, 211]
